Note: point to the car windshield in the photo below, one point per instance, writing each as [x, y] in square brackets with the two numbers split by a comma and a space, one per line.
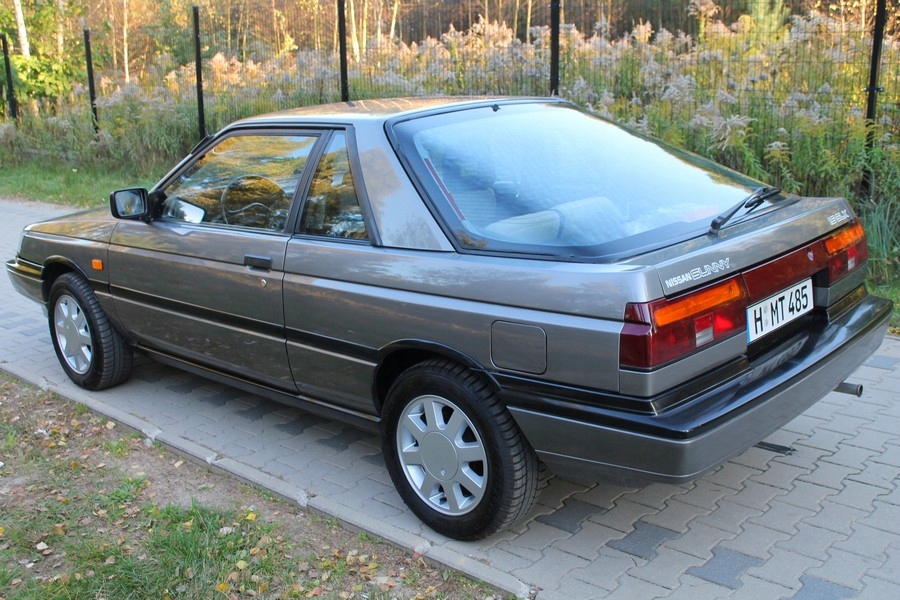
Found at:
[552, 179]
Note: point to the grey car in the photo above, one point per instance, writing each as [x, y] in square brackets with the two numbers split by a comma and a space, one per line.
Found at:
[504, 288]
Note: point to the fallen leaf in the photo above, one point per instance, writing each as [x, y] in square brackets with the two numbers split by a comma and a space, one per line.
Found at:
[241, 564]
[41, 546]
[110, 425]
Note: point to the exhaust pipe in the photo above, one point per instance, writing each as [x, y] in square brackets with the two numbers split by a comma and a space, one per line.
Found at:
[854, 389]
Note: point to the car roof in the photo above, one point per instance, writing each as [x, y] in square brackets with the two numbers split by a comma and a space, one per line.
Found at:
[378, 110]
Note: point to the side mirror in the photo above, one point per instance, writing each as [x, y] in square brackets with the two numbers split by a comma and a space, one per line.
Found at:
[131, 204]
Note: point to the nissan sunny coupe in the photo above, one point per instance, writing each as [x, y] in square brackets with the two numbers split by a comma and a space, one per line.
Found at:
[503, 288]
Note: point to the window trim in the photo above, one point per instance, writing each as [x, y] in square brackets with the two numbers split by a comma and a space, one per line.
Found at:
[204, 148]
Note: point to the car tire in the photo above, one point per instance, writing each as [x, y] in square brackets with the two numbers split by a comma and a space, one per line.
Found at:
[93, 354]
[454, 452]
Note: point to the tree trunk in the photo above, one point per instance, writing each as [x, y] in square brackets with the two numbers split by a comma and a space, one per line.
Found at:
[394, 14]
[20, 25]
[60, 28]
[354, 38]
[125, 40]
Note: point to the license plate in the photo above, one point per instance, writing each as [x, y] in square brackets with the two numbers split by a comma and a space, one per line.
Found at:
[778, 310]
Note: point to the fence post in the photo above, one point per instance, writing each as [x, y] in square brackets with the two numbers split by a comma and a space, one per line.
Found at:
[554, 47]
[873, 89]
[342, 44]
[10, 93]
[92, 91]
[201, 113]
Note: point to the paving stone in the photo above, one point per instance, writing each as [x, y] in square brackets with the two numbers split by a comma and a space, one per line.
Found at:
[830, 475]
[890, 568]
[694, 588]
[623, 515]
[632, 587]
[560, 490]
[886, 363]
[889, 454]
[731, 475]
[878, 589]
[570, 516]
[886, 517]
[725, 568]
[844, 568]
[811, 541]
[300, 423]
[538, 536]
[836, 517]
[755, 458]
[868, 541]
[644, 540]
[604, 494]
[755, 588]
[850, 456]
[342, 441]
[506, 562]
[759, 493]
[858, 495]
[676, 515]
[589, 540]
[824, 439]
[605, 571]
[657, 495]
[807, 495]
[784, 568]
[729, 516]
[706, 494]
[667, 568]
[570, 588]
[552, 565]
[258, 411]
[781, 516]
[699, 540]
[886, 423]
[817, 589]
[755, 540]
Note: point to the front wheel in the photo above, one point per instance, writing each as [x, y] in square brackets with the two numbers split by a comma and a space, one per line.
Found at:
[454, 453]
[93, 354]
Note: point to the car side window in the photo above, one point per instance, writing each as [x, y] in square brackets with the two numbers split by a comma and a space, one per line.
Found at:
[243, 181]
[332, 207]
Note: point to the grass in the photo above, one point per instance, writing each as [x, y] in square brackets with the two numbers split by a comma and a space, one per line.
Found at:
[88, 510]
[59, 183]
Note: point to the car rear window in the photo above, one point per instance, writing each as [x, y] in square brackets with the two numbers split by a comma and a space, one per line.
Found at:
[551, 179]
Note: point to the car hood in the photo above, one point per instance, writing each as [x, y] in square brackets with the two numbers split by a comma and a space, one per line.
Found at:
[95, 224]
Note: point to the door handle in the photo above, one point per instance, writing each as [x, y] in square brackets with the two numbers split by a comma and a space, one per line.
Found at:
[258, 262]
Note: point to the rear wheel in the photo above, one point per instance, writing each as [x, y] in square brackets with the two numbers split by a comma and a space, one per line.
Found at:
[93, 354]
[454, 453]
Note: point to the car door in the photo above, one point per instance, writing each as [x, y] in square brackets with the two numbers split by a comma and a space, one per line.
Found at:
[322, 293]
[203, 281]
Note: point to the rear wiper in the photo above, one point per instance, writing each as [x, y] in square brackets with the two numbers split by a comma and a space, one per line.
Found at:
[750, 202]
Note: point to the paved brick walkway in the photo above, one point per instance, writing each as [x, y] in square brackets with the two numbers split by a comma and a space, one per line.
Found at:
[820, 519]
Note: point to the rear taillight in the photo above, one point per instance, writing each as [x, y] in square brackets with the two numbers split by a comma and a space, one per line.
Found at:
[846, 251]
[664, 330]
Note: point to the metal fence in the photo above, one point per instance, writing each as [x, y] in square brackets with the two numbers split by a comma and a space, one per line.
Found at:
[768, 65]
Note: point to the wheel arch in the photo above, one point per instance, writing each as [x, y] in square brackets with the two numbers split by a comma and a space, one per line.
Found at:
[400, 355]
[54, 267]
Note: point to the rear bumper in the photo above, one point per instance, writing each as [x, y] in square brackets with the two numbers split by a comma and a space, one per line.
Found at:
[683, 443]
[26, 279]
